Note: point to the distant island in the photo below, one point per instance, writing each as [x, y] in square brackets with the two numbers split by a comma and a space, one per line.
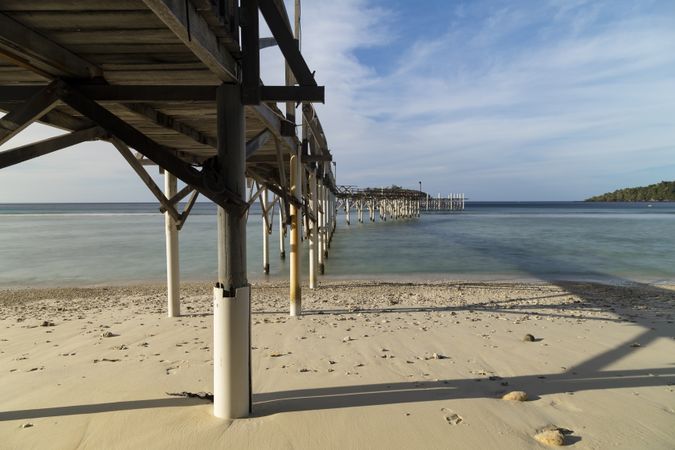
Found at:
[660, 192]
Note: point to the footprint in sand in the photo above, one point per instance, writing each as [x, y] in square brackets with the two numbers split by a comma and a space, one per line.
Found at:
[451, 417]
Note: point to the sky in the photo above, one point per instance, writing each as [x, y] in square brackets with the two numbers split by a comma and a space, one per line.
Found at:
[500, 100]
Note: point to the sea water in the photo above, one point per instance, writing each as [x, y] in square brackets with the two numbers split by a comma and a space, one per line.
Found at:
[86, 244]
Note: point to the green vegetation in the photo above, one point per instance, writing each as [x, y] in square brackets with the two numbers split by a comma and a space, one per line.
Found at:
[661, 192]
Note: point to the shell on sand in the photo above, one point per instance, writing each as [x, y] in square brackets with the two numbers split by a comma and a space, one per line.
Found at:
[518, 396]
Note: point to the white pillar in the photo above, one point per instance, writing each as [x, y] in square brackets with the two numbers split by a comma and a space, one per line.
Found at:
[348, 212]
[172, 261]
[314, 232]
[296, 190]
[231, 353]
[266, 234]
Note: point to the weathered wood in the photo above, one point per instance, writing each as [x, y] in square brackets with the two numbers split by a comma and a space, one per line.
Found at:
[260, 139]
[146, 146]
[191, 28]
[57, 119]
[145, 177]
[121, 93]
[232, 166]
[166, 121]
[250, 53]
[186, 212]
[287, 43]
[46, 146]
[41, 53]
[28, 112]
[59, 19]
[71, 5]
[292, 93]
[316, 158]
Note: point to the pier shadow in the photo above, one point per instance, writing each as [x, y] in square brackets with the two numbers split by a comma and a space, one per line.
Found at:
[470, 388]
[624, 301]
[96, 408]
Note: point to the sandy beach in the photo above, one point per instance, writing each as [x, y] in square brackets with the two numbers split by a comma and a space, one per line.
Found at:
[369, 365]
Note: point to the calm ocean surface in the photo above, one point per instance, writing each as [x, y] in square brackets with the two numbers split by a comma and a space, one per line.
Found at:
[67, 244]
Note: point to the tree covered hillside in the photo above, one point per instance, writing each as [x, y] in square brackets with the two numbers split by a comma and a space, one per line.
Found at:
[661, 192]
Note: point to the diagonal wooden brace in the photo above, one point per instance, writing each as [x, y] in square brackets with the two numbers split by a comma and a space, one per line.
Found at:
[28, 112]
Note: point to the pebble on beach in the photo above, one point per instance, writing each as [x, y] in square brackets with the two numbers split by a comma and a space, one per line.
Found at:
[550, 437]
[528, 338]
[518, 396]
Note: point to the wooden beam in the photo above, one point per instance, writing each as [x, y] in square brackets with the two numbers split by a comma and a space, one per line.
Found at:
[46, 146]
[161, 155]
[314, 126]
[266, 42]
[169, 122]
[41, 54]
[287, 43]
[292, 93]
[273, 122]
[250, 53]
[145, 177]
[181, 194]
[254, 144]
[192, 29]
[186, 212]
[56, 119]
[317, 158]
[121, 93]
[28, 112]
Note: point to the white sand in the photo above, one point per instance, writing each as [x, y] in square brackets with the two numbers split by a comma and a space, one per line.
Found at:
[314, 389]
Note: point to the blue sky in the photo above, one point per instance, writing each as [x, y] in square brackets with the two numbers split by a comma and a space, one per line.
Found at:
[501, 100]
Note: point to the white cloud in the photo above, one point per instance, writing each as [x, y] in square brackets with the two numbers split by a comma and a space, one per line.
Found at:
[559, 100]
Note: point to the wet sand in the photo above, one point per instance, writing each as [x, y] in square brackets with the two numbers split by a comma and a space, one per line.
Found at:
[369, 365]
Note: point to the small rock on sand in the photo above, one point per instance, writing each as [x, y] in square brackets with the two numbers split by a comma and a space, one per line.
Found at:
[518, 396]
[347, 339]
[528, 338]
[107, 334]
[27, 425]
[46, 323]
[550, 437]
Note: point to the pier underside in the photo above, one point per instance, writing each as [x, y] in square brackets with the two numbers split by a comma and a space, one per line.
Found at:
[176, 83]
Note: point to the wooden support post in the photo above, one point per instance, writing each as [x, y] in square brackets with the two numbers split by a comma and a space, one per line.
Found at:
[282, 232]
[295, 295]
[231, 295]
[324, 238]
[321, 229]
[266, 232]
[28, 112]
[348, 212]
[314, 232]
[172, 260]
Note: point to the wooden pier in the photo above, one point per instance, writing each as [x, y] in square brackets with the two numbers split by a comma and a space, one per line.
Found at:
[177, 84]
[393, 202]
[451, 202]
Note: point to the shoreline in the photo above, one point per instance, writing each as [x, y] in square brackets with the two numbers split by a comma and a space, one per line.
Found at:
[419, 278]
[370, 363]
